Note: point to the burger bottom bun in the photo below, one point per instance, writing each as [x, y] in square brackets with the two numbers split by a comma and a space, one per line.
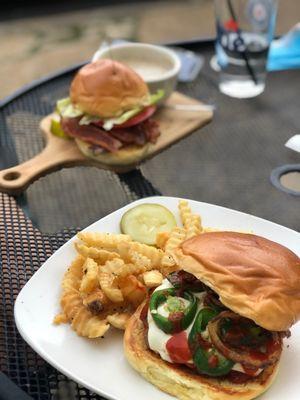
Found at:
[178, 381]
[128, 155]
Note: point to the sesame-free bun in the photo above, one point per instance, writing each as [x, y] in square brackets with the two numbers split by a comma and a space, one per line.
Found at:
[253, 276]
[128, 155]
[107, 88]
[180, 381]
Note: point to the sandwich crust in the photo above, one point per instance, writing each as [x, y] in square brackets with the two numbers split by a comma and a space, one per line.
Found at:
[129, 155]
[180, 381]
[253, 276]
[107, 88]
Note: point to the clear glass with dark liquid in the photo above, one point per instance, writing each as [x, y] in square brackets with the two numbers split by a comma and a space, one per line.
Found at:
[244, 32]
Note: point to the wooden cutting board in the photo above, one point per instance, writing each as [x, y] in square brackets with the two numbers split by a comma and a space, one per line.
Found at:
[60, 153]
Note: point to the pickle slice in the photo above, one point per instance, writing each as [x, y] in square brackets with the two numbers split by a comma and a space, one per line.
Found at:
[144, 221]
[57, 130]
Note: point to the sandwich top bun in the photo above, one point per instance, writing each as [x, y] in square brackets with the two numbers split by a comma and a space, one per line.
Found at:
[107, 88]
[253, 276]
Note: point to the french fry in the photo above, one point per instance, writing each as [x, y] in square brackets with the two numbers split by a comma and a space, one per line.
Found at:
[70, 302]
[60, 318]
[132, 289]
[109, 287]
[113, 266]
[177, 236]
[72, 277]
[89, 280]
[106, 241]
[161, 239]
[141, 261]
[130, 269]
[86, 324]
[96, 302]
[154, 255]
[99, 255]
[185, 212]
[194, 226]
[152, 278]
[119, 320]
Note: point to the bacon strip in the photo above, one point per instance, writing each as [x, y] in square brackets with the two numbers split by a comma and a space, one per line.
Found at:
[113, 140]
[90, 134]
[129, 136]
[151, 129]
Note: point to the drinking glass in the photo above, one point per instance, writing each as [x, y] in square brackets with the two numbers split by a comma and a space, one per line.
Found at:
[244, 32]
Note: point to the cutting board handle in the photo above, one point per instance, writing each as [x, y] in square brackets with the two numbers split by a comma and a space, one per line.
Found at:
[16, 179]
[60, 153]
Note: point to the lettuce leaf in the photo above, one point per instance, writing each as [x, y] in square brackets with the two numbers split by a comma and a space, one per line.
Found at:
[109, 123]
[155, 97]
[66, 109]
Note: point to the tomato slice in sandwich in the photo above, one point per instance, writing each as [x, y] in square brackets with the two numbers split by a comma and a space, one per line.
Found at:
[137, 119]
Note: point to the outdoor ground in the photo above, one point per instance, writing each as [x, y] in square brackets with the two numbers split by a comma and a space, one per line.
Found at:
[35, 46]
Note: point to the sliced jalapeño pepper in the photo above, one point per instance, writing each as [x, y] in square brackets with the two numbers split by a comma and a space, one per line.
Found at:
[177, 320]
[208, 360]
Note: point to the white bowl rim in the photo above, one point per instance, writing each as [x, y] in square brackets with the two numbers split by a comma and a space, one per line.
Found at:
[161, 49]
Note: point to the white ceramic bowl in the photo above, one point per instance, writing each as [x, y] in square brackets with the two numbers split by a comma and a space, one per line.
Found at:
[158, 65]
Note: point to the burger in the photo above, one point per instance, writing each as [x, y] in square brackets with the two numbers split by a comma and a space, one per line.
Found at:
[108, 113]
[214, 329]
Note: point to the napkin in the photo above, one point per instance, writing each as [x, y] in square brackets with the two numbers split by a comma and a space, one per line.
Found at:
[284, 53]
[294, 143]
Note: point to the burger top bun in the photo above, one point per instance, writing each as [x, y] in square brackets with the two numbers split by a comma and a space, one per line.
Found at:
[107, 88]
[253, 276]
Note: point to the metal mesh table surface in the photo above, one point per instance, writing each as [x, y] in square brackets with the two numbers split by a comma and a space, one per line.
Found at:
[22, 250]
[227, 163]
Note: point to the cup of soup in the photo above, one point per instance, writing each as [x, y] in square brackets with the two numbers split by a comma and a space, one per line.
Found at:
[157, 65]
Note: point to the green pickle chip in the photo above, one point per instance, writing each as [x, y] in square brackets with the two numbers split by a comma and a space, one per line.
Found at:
[144, 221]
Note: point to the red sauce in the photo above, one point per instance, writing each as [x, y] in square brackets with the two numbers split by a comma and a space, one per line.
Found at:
[176, 318]
[213, 361]
[144, 314]
[250, 370]
[178, 348]
[205, 344]
[238, 377]
[258, 355]
[273, 345]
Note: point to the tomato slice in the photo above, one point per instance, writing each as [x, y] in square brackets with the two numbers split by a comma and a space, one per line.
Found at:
[142, 116]
[178, 348]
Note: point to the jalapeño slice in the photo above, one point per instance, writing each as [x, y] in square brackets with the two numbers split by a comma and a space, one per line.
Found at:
[179, 319]
[206, 357]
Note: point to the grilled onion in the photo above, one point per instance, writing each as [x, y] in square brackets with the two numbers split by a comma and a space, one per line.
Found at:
[248, 356]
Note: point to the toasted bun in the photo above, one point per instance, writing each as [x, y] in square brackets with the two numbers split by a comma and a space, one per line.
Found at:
[181, 382]
[253, 276]
[107, 88]
[126, 156]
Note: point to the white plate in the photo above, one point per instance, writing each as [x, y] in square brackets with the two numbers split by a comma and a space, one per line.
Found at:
[100, 364]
